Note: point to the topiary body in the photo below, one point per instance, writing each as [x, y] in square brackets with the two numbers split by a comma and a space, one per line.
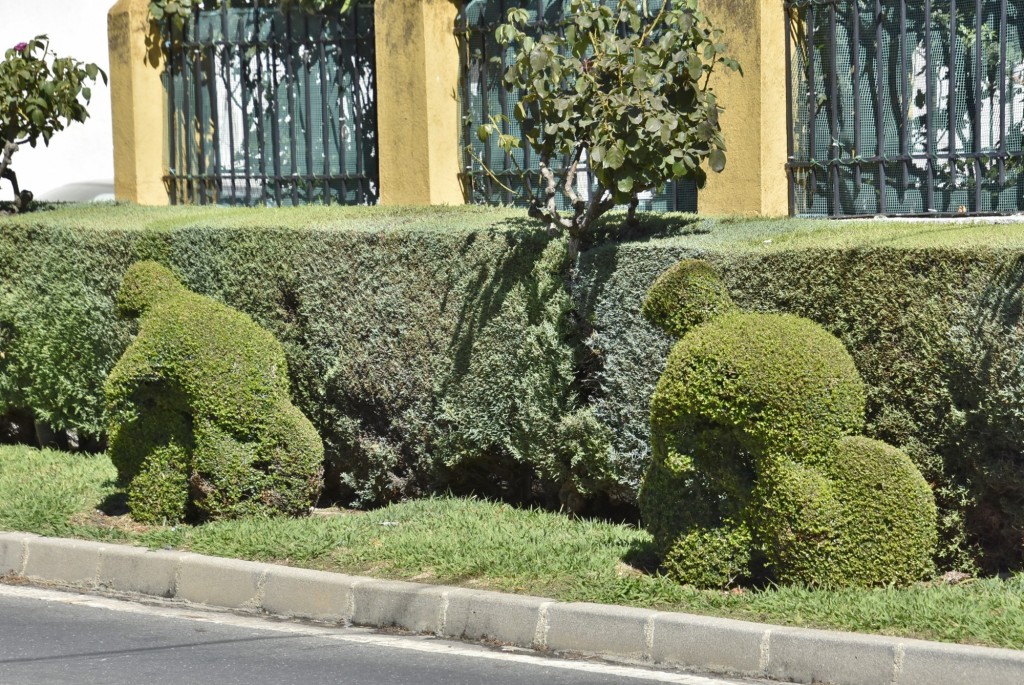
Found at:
[751, 463]
[202, 424]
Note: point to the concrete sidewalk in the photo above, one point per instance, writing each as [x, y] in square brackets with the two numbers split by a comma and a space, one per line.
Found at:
[663, 639]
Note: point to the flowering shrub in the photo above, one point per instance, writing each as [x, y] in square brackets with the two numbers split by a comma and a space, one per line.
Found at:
[40, 95]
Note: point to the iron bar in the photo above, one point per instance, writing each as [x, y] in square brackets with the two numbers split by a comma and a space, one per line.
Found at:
[210, 53]
[275, 93]
[789, 106]
[289, 75]
[1002, 92]
[879, 100]
[261, 110]
[812, 97]
[172, 125]
[357, 101]
[835, 146]
[904, 129]
[855, 49]
[325, 121]
[307, 87]
[226, 63]
[976, 121]
[189, 98]
[951, 108]
[928, 107]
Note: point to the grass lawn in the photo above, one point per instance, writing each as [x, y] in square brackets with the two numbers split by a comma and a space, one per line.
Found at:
[483, 544]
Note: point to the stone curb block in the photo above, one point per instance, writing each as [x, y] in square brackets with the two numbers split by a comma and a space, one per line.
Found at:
[315, 595]
[75, 562]
[134, 569]
[228, 583]
[397, 604]
[511, 619]
[618, 633]
[927, 663]
[12, 552]
[599, 629]
[715, 644]
[813, 656]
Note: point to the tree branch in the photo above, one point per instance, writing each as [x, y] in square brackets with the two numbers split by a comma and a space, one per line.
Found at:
[8, 151]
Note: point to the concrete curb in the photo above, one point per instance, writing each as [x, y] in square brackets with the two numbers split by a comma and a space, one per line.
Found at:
[611, 632]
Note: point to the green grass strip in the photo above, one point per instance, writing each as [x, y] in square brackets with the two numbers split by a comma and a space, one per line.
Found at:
[483, 544]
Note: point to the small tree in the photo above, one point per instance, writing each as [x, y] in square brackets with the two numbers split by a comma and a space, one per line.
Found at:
[40, 94]
[623, 86]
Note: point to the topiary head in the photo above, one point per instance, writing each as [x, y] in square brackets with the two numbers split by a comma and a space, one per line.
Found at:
[688, 294]
[146, 284]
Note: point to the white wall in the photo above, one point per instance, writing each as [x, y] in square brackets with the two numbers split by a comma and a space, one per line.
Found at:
[82, 152]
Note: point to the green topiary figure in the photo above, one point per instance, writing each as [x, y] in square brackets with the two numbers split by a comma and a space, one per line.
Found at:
[202, 424]
[752, 465]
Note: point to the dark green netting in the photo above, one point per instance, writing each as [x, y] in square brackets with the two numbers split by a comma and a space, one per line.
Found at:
[267, 107]
[873, 116]
[484, 96]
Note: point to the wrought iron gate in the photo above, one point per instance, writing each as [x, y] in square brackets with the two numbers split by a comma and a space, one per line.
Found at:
[905, 108]
[271, 107]
[484, 95]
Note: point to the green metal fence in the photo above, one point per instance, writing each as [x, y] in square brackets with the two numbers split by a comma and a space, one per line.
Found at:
[905, 108]
[269, 107]
[484, 95]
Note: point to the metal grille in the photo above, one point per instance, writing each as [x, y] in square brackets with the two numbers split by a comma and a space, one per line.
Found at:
[272, 108]
[484, 95]
[905, 108]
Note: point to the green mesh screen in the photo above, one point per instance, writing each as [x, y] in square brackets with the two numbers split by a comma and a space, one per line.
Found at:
[905, 107]
[483, 96]
[276, 108]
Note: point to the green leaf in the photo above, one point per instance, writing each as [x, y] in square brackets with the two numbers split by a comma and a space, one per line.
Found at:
[615, 157]
[483, 132]
[716, 160]
[625, 184]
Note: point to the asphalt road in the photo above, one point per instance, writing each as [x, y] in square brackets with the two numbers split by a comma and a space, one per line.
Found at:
[48, 636]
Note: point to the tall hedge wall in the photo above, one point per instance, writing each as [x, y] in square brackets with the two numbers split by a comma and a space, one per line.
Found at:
[438, 348]
[429, 348]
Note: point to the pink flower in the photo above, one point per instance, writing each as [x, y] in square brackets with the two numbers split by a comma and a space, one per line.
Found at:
[20, 47]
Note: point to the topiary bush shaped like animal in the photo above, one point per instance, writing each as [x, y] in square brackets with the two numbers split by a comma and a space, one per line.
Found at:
[202, 424]
[755, 471]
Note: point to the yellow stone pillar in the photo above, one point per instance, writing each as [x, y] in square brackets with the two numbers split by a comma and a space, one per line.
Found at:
[754, 122]
[138, 104]
[418, 111]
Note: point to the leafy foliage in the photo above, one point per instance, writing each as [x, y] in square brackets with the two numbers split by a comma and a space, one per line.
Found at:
[40, 95]
[620, 85]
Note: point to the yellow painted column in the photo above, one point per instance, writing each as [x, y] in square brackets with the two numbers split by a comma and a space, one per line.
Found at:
[138, 104]
[418, 111]
[754, 122]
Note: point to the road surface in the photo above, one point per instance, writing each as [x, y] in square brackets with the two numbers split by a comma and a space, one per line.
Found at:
[49, 636]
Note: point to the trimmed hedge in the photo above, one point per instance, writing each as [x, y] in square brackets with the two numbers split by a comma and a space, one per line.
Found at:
[202, 426]
[387, 315]
[430, 348]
